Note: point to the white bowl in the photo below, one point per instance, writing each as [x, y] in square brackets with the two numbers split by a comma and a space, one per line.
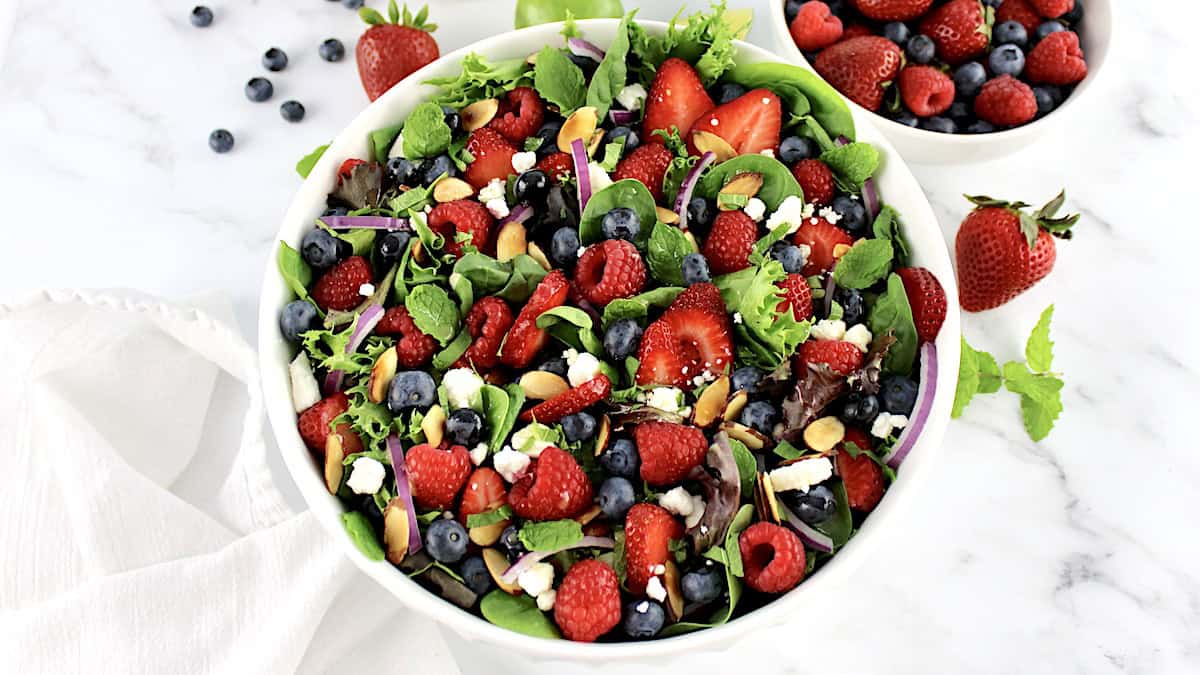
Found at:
[931, 147]
[897, 186]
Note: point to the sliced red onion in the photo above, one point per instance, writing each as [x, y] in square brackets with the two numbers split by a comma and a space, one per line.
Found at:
[811, 536]
[530, 559]
[622, 117]
[830, 286]
[841, 140]
[519, 214]
[366, 223]
[333, 382]
[581, 47]
[367, 321]
[871, 197]
[689, 186]
[920, 414]
[404, 491]
[583, 175]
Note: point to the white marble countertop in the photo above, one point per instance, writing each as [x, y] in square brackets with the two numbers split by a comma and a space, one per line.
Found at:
[1078, 554]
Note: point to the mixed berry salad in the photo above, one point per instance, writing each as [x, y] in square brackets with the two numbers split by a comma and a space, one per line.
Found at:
[611, 344]
[962, 66]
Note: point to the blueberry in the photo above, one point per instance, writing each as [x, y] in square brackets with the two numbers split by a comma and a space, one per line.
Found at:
[980, 127]
[220, 140]
[621, 223]
[897, 31]
[795, 148]
[1007, 60]
[446, 540]
[1048, 97]
[366, 506]
[695, 269]
[578, 427]
[969, 78]
[643, 619]
[274, 59]
[907, 119]
[352, 4]
[699, 214]
[531, 186]
[791, 9]
[336, 211]
[1010, 33]
[726, 92]
[960, 112]
[564, 247]
[298, 316]
[1046, 28]
[548, 134]
[392, 246]
[860, 408]
[617, 133]
[292, 111]
[854, 307]
[760, 416]
[510, 539]
[320, 248]
[259, 89]
[332, 50]
[898, 395]
[815, 506]
[622, 338]
[561, 206]
[789, 255]
[436, 167]
[452, 119]
[992, 3]
[411, 389]
[616, 496]
[747, 379]
[586, 64]
[402, 171]
[854, 215]
[473, 570]
[201, 16]
[920, 49]
[621, 459]
[464, 426]
[554, 364]
[942, 125]
[703, 585]
[1075, 14]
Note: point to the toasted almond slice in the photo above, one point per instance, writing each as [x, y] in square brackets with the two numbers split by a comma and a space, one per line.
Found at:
[765, 501]
[749, 437]
[692, 240]
[334, 456]
[711, 402]
[419, 252]
[603, 434]
[706, 141]
[736, 405]
[589, 515]
[840, 250]
[824, 434]
[381, 375]
[579, 126]
[538, 255]
[671, 580]
[496, 564]
[434, 425]
[486, 535]
[594, 143]
[395, 531]
[745, 184]
[452, 190]
[478, 114]
[666, 215]
[542, 385]
[510, 242]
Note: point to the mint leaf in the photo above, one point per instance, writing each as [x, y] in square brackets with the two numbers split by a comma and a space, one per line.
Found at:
[665, 253]
[362, 534]
[307, 162]
[550, 535]
[891, 312]
[612, 154]
[295, 272]
[559, 81]
[747, 466]
[1039, 350]
[868, 261]
[977, 374]
[434, 312]
[609, 78]
[852, 163]
[518, 613]
[426, 133]
[1041, 398]
[496, 515]
[887, 226]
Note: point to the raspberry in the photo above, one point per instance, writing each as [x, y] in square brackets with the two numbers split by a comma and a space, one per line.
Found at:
[1057, 59]
[926, 90]
[772, 557]
[520, 115]
[1006, 102]
[1021, 12]
[609, 270]
[463, 215]
[815, 27]
[798, 295]
[842, 357]
[702, 296]
[649, 530]
[487, 323]
[648, 164]
[338, 288]
[414, 348]
[553, 488]
[729, 243]
[1052, 9]
[588, 601]
[559, 166]
[668, 451]
[861, 476]
[436, 475]
[816, 180]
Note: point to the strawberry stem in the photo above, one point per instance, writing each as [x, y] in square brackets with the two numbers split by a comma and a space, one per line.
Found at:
[1045, 218]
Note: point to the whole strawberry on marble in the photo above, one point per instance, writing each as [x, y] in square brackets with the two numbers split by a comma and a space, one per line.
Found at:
[393, 48]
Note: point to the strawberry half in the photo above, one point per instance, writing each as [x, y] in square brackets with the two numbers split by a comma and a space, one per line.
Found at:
[822, 237]
[484, 492]
[842, 358]
[525, 339]
[649, 530]
[658, 363]
[676, 98]
[749, 123]
[493, 155]
[927, 299]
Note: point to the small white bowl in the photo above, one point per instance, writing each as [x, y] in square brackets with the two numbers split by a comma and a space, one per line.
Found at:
[897, 187]
[931, 147]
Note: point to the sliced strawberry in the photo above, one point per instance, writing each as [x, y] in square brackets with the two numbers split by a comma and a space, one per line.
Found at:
[676, 98]
[842, 358]
[702, 341]
[558, 167]
[571, 401]
[749, 123]
[525, 339]
[649, 530]
[484, 492]
[703, 296]
[658, 362]
[493, 155]
[927, 299]
[797, 295]
[822, 237]
[314, 422]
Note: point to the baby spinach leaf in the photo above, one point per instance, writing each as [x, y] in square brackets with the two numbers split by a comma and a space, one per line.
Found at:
[639, 305]
[573, 327]
[360, 240]
[426, 133]
[665, 253]
[730, 557]
[733, 552]
[612, 154]
[839, 527]
[516, 399]
[852, 163]
[486, 274]
[452, 352]
[805, 92]
[434, 312]
[550, 535]
[891, 312]
[868, 261]
[307, 162]
[295, 272]
[887, 226]
[496, 515]
[518, 613]
[496, 403]
[628, 193]
[786, 450]
[609, 78]
[778, 181]
[381, 141]
[362, 534]
[526, 275]
[559, 81]
[465, 291]
[747, 466]
[415, 199]
[534, 12]
[480, 79]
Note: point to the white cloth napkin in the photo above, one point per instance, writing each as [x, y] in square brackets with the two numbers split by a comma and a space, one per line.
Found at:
[138, 535]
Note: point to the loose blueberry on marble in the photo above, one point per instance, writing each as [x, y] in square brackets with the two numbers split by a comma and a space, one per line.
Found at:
[352, 4]
[464, 426]
[201, 16]
[292, 111]
[621, 459]
[259, 89]
[220, 141]
[446, 540]
[695, 269]
[621, 223]
[616, 496]
[274, 59]
[298, 317]
[622, 338]
[332, 50]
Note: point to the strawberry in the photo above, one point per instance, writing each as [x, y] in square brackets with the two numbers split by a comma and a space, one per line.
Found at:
[649, 530]
[558, 166]
[668, 451]
[525, 339]
[658, 363]
[647, 164]
[520, 115]
[730, 241]
[842, 358]
[797, 295]
[553, 488]
[314, 422]
[859, 68]
[1020, 11]
[485, 492]
[1006, 102]
[701, 341]
[856, 30]
[892, 10]
[414, 348]
[437, 474]
[703, 296]
[389, 52]
[959, 30]
[772, 557]
[816, 180]
[676, 98]
[571, 401]
[588, 601]
[927, 299]
[1003, 251]
[487, 324]
[347, 168]
[815, 27]
[861, 476]
[926, 90]
[1052, 9]
[1057, 59]
[493, 157]
[822, 237]
[467, 216]
[609, 270]
[750, 123]
[337, 289]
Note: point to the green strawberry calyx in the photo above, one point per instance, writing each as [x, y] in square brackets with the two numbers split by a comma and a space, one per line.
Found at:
[418, 21]
[1045, 218]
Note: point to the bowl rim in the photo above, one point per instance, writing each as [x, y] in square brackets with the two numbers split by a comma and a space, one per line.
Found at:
[921, 223]
[1016, 135]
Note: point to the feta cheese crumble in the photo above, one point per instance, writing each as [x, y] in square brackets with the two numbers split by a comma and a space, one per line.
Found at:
[677, 501]
[584, 368]
[533, 439]
[859, 336]
[790, 211]
[801, 475]
[524, 161]
[545, 600]
[498, 208]
[632, 96]
[693, 519]
[655, 589]
[463, 388]
[493, 190]
[886, 423]
[366, 476]
[479, 453]
[366, 290]
[737, 317]
[755, 208]
[829, 330]
[538, 579]
[510, 464]
[667, 399]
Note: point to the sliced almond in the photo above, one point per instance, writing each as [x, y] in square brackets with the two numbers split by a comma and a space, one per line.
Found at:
[589, 515]
[692, 240]
[594, 143]
[824, 434]
[381, 375]
[736, 405]
[711, 403]
[486, 535]
[434, 425]
[840, 250]
[671, 581]
[452, 190]
[497, 564]
[542, 385]
[419, 253]
[510, 242]
[765, 501]
[666, 215]
[603, 434]
[706, 141]
[744, 184]
[538, 255]
[749, 437]
[478, 114]
[334, 456]
[395, 531]
[579, 126]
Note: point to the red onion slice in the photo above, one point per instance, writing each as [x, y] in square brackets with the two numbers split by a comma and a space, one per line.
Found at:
[581, 47]
[367, 321]
[366, 223]
[920, 414]
[583, 176]
[871, 197]
[830, 287]
[622, 117]
[519, 214]
[333, 382]
[689, 186]
[811, 536]
[530, 559]
[404, 491]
